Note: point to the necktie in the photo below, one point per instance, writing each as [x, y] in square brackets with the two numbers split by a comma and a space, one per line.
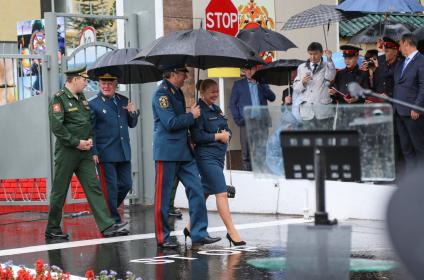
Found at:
[314, 67]
[114, 101]
[404, 65]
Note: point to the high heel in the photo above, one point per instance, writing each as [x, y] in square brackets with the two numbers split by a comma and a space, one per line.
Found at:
[186, 233]
[239, 243]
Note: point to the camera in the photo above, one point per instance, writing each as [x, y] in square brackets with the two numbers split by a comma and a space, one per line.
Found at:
[370, 63]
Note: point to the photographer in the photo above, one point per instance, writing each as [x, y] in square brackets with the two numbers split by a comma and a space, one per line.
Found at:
[382, 70]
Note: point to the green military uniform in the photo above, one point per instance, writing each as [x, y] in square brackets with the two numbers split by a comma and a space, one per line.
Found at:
[70, 122]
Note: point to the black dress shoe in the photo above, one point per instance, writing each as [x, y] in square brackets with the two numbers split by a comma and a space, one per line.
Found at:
[168, 245]
[52, 235]
[115, 230]
[206, 240]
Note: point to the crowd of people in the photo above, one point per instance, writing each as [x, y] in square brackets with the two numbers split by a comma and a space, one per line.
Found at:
[189, 146]
[317, 85]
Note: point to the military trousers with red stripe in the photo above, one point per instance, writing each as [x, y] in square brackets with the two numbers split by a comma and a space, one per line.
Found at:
[116, 182]
[188, 174]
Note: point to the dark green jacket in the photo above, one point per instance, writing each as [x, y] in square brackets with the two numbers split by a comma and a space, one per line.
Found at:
[70, 118]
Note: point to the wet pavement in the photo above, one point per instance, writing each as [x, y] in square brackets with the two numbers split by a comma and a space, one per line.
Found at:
[266, 237]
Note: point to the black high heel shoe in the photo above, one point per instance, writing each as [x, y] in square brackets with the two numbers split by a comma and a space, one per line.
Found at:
[240, 243]
[186, 233]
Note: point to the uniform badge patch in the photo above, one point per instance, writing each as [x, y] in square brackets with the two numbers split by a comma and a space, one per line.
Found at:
[56, 108]
[163, 101]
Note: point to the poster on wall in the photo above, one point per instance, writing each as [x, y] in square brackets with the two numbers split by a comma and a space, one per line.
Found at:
[32, 40]
[255, 13]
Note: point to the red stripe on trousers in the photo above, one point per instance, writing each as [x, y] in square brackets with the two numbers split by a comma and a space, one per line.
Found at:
[103, 185]
[158, 202]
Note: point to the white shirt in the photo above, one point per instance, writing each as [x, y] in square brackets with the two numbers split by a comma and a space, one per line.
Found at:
[408, 59]
[314, 95]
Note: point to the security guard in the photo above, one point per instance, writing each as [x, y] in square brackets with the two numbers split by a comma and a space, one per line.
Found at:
[70, 122]
[111, 115]
[339, 90]
[173, 157]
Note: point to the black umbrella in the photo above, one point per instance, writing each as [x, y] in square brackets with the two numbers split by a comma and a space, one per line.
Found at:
[320, 15]
[131, 71]
[419, 34]
[263, 40]
[277, 72]
[370, 34]
[200, 48]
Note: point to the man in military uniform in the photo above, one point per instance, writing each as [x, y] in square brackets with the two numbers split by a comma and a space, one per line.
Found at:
[383, 69]
[70, 122]
[339, 90]
[173, 157]
[111, 115]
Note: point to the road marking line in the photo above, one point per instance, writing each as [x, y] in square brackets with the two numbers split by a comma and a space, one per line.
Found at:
[90, 242]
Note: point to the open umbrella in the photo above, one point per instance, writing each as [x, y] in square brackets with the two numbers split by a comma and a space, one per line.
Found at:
[381, 6]
[371, 34]
[200, 48]
[320, 15]
[131, 71]
[419, 34]
[263, 40]
[277, 72]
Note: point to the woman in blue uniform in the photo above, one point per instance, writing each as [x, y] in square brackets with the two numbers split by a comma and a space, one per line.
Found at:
[211, 135]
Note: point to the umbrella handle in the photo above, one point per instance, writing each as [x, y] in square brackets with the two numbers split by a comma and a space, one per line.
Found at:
[196, 97]
[325, 37]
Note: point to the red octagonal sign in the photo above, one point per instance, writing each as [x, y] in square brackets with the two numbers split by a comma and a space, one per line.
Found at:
[222, 16]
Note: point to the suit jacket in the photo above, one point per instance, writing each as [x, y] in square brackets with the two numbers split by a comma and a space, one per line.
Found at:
[314, 97]
[240, 98]
[110, 122]
[171, 124]
[409, 87]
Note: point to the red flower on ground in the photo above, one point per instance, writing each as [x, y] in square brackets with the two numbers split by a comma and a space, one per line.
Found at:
[89, 274]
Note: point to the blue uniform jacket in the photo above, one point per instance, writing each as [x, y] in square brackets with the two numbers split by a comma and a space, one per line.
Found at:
[240, 98]
[171, 124]
[211, 121]
[410, 86]
[111, 141]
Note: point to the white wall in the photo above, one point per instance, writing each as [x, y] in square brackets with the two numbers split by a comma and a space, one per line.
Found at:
[293, 197]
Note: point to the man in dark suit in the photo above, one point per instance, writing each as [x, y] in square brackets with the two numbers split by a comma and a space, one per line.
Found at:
[247, 92]
[409, 87]
[111, 115]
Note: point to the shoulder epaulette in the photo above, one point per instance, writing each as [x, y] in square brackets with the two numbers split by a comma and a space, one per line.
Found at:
[60, 92]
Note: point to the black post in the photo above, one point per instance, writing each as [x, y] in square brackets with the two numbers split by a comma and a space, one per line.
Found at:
[321, 216]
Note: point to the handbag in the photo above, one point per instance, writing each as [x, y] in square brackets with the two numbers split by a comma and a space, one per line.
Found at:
[231, 190]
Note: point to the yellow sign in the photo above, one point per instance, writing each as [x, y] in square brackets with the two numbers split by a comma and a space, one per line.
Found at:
[223, 72]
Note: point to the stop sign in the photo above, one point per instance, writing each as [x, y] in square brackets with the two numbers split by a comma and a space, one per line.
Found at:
[222, 16]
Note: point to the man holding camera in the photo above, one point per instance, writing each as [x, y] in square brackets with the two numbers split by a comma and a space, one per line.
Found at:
[383, 69]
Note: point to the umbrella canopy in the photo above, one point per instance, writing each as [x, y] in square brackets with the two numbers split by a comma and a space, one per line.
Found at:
[419, 34]
[263, 40]
[131, 72]
[277, 72]
[201, 49]
[381, 6]
[316, 16]
[371, 34]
